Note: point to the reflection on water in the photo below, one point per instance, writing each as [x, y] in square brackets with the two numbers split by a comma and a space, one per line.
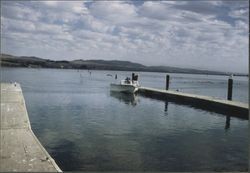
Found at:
[127, 98]
[166, 108]
[228, 117]
[227, 126]
[198, 105]
[86, 128]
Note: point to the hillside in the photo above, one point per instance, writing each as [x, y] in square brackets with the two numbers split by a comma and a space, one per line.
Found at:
[35, 62]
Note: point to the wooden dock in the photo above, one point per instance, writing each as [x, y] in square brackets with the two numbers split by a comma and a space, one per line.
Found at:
[231, 108]
[20, 150]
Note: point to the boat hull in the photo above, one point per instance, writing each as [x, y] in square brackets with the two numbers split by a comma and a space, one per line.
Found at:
[123, 88]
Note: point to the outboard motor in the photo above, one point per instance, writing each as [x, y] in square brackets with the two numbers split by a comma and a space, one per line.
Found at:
[134, 77]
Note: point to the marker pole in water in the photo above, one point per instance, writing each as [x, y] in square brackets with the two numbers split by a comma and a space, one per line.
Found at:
[230, 88]
[167, 82]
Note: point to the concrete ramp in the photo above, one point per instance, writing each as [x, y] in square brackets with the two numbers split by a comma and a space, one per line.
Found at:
[20, 150]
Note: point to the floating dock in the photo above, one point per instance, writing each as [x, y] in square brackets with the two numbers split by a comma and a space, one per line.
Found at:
[20, 150]
[231, 108]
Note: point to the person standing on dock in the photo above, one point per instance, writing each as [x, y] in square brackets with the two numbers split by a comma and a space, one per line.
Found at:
[115, 76]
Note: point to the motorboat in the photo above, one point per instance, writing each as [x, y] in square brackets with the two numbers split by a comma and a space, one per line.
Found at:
[127, 86]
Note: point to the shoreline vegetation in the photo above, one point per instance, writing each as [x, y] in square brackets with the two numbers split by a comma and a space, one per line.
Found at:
[116, 65]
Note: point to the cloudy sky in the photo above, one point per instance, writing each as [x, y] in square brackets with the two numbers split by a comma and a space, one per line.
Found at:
[209, 35]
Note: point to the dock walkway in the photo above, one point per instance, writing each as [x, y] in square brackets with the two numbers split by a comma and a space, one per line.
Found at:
[234, 108]
[20, 150]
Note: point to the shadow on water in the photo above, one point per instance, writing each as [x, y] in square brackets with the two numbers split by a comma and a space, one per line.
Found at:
[127, 98]
[230, 112]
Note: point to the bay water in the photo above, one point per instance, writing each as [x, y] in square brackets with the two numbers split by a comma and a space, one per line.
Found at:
[85, 127]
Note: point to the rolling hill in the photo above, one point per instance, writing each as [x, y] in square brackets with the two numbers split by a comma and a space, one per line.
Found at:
[35, 62]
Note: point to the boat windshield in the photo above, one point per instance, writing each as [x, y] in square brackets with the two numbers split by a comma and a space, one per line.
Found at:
[129, 82]
[126, 81]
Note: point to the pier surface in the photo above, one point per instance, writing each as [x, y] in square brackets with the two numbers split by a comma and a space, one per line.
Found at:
[232, 108]
[20, 150]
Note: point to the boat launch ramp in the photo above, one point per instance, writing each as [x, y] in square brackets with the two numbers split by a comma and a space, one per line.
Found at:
[20, 149]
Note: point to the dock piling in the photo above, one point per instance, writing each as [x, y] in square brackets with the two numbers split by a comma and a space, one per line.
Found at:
[233, 108]
[230, 88]
[167, 82]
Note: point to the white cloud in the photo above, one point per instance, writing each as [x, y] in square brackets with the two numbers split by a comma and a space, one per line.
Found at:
[91, 23]
[155, 10]
[17, 11]
[50, 3]
[240, 25]
[116, 12]
[18, 25]
[239, 13]
[68, 6]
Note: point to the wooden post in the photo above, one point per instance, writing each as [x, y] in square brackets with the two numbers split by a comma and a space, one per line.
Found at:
[167, 82]
[230, 88]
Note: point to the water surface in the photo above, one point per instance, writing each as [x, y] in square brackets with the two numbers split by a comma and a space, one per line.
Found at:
[85, 127]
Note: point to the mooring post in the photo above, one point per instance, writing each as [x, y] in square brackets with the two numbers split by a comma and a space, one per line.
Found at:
[167, 82]
[230, 88]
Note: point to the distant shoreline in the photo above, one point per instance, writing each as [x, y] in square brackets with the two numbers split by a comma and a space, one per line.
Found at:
[112, 65]
[240, 75]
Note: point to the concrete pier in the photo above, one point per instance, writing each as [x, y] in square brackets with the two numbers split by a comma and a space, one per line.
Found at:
[231, 108]
[20, 150]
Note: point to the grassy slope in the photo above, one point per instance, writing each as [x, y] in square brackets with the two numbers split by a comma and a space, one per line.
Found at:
[35, 62]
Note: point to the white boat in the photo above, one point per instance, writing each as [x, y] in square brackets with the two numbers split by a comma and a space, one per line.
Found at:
[127, 86]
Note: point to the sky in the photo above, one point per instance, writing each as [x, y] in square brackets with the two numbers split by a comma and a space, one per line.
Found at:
[211, 35]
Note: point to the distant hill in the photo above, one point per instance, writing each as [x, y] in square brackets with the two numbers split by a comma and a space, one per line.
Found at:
[35, 62]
